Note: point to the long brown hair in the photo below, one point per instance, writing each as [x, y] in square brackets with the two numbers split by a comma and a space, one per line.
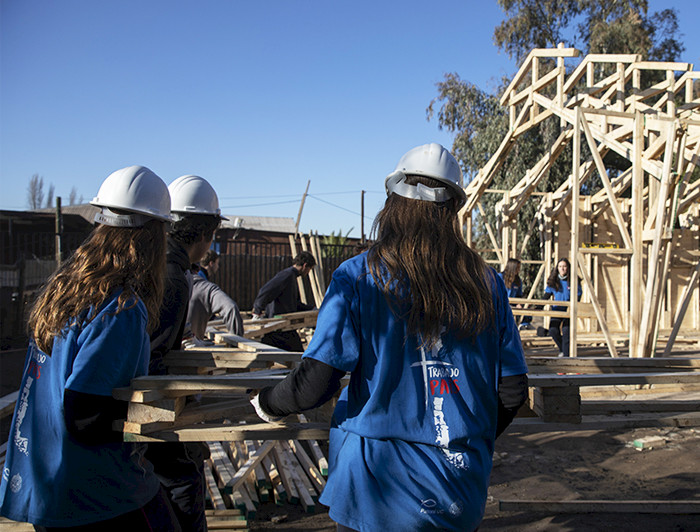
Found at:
[553, 279]
[510, 273]
[132, 259]
[425, 269]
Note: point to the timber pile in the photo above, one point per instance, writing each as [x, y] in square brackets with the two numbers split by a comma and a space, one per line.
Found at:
[255, 329]
[251, 461]
[602, 392]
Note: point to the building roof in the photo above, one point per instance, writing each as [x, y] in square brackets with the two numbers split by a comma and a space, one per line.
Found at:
[259, 223]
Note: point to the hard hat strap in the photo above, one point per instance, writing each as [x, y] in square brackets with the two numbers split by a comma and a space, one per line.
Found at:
[107, 217]
[396, 184]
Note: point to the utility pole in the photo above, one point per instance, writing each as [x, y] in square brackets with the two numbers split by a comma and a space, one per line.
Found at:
[59, 231]
[362, 217]
[301, 207]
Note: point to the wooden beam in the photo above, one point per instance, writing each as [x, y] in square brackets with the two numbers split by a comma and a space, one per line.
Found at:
[596, 306]
[599, 506]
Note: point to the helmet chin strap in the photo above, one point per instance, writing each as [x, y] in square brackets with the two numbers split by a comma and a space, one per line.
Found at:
[396, 184]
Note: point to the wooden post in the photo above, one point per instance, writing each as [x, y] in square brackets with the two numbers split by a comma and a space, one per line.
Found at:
[362, 217]
[652, 286]
[682, 308]
[573, 258]
[300, 281]
[59, 231]
[637, 226]
[301, 208]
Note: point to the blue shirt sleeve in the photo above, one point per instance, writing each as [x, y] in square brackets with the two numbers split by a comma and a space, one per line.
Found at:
[336, 341]
[112, 350]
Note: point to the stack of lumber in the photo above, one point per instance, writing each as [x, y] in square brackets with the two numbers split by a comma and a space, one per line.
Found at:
[601, 392]
[283, 322]
[243, 474]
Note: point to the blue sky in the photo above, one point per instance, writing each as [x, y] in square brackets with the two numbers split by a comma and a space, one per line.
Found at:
[257, 97]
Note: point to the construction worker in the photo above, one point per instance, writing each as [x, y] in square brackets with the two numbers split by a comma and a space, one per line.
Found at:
[196, 215]
[207, 300]
[559, 288]
[209, 264]
[66, 469]
[436, 366]
[280, 295]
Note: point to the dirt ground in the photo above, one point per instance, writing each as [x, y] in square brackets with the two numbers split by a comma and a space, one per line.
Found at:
[560, 466]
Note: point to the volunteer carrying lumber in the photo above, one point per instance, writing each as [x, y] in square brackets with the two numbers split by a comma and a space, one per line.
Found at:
[437, 369]
[196, 215]
[66, 468]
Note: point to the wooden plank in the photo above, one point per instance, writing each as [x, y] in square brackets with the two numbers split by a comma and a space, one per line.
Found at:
[250, 464]
[308, 465]
[195, 413]
[198, 383]
[611, 365]
[216, 432]
[556, 404]
[7, 404]
[160, 410]
[602, 323]
[533, 425]
[273, 474]
[296, 473]
[217, 500]
[222, 466]
[631, 406]
[614, 379]
[599, 506]
[285, 475]
[319, 457]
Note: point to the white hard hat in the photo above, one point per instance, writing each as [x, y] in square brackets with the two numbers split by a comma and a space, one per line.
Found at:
[134, 189]
[192, 194]
[429, 160]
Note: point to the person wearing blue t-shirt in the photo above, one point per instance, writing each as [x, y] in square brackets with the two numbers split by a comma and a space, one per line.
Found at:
[558, 287]
[66, 468]
[436, 366]
[511, 278]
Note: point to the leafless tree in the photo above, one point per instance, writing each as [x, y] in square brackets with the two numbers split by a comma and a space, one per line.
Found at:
[35, 192]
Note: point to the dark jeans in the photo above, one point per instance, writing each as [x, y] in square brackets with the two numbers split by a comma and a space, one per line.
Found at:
[180, 468]
[287, 340]
[559, 331]
[155, 516]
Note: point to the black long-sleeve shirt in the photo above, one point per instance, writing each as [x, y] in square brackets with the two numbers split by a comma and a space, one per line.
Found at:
[280, 295]
[173, 310]
[313, 383]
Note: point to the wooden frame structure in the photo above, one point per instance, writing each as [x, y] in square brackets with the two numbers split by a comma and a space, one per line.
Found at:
[635, 244]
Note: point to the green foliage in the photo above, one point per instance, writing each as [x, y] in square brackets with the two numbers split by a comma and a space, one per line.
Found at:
[334, 245]
[479, 123]
[593, 26]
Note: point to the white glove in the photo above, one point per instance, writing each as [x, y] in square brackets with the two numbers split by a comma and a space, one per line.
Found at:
[255, 401]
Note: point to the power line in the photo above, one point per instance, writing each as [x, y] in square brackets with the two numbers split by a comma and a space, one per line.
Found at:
[257, 204]
[337, 206]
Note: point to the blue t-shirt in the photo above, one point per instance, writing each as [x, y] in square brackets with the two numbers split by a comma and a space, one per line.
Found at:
[50, 479]
[413, 433]
[563, 294]
[515, 290]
